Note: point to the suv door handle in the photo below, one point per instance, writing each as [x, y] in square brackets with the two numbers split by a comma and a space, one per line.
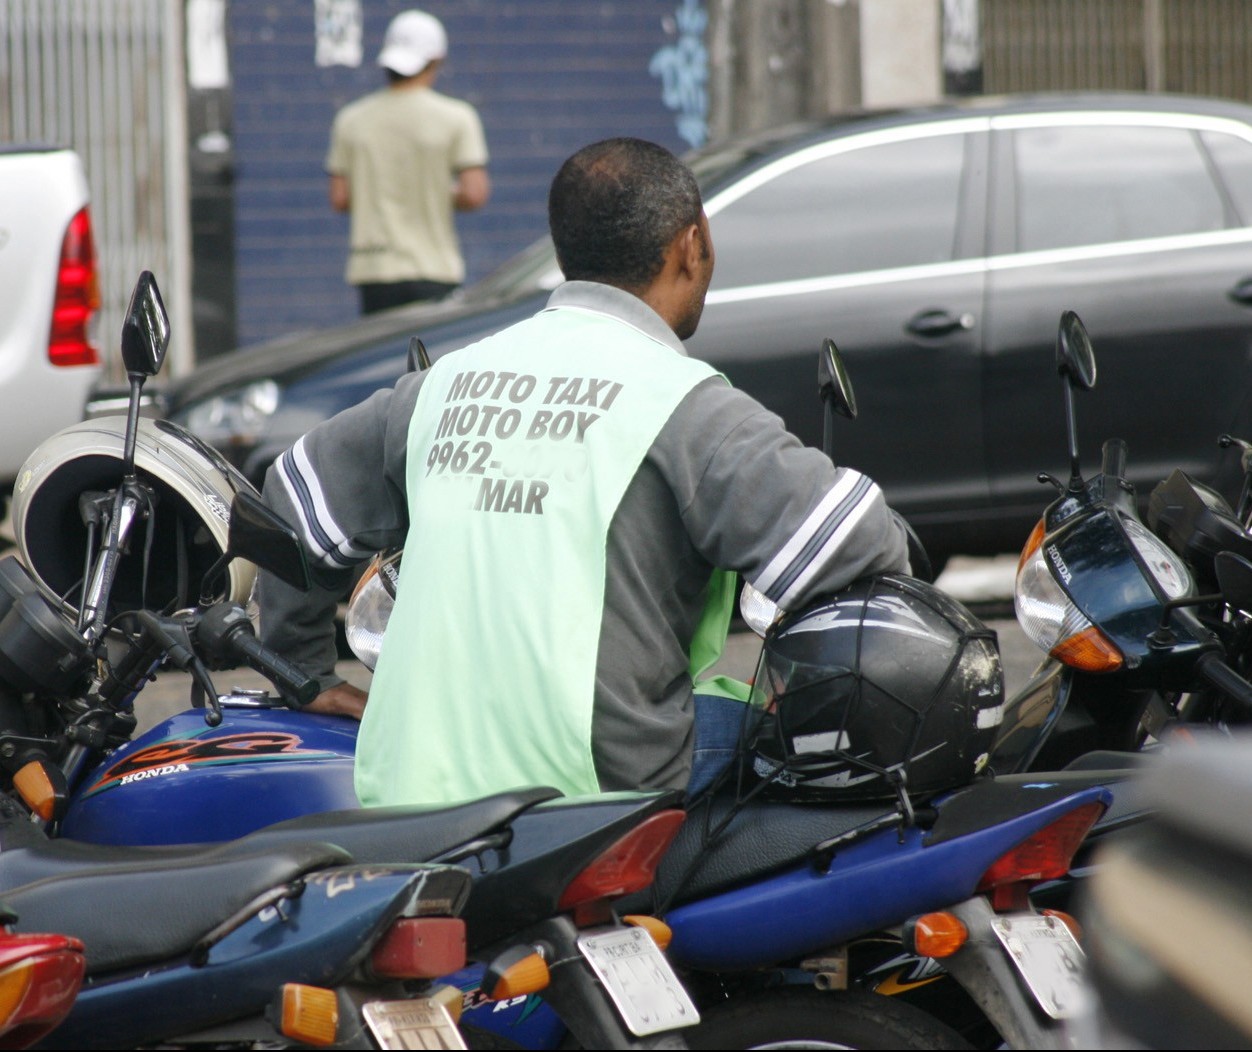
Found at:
[1242, 291]
[939, 322]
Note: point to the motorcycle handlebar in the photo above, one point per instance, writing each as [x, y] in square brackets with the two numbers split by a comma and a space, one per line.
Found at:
[1220, 675]
[225, 627]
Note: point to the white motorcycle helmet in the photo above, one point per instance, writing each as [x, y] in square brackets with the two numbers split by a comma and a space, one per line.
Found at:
[194, 487]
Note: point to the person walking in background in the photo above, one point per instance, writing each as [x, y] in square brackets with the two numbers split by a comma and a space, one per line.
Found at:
[402, 160]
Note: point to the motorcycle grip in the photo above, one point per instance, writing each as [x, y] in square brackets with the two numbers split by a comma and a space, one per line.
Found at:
[289, 677]
[1114, 458]
[226, 627]
[1225, 679]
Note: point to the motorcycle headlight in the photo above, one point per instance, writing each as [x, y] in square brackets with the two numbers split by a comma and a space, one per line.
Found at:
[1051, 620]
[370, 606]
[237, 418]
[758, 613]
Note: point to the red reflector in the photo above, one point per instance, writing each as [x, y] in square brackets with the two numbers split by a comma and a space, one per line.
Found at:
[420, 948]
[77, 296]
[1046, 854]
[626, 867]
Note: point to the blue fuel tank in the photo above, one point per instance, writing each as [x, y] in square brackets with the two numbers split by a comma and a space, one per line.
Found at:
[184, 782]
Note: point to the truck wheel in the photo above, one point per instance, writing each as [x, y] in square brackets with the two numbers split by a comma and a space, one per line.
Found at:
[802, 1017]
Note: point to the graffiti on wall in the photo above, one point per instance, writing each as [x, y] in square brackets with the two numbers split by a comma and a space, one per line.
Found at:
[683, 69]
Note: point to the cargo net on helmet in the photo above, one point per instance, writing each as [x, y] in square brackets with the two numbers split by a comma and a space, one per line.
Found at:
[874, 698]
[887, 691]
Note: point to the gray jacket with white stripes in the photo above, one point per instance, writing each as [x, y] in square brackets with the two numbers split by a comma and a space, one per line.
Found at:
[723, 485]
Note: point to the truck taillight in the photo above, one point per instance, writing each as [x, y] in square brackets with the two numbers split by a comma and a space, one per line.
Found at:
[77, 296]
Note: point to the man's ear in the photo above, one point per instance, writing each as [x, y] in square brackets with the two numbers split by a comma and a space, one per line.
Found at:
[690, 249]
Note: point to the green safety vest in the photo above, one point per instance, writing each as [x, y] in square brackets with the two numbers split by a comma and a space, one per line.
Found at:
[519, 451]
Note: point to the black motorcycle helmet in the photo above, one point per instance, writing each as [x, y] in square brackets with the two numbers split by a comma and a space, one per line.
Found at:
[886, 686]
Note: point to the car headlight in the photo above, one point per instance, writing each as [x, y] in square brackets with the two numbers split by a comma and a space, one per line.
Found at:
[233, 419]
[1049, 617]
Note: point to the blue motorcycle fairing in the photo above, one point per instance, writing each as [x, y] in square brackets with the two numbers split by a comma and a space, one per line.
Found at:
[185, 782]
[874, 883]
[318, 937]
[526, 1022]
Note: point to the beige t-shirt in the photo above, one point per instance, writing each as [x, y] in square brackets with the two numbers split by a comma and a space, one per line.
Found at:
[400, 151]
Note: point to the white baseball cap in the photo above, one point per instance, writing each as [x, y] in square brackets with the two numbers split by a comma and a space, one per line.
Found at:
[414, 40]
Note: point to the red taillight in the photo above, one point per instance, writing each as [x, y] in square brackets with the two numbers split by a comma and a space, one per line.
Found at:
[77, 296]
[626, 867]
[39, 979]
[1046, 854]
[420, 948]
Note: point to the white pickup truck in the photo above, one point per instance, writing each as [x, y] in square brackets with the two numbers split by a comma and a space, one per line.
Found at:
[49, 295]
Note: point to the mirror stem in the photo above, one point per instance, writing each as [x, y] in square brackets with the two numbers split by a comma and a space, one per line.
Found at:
[1071, 429]
[132, 424]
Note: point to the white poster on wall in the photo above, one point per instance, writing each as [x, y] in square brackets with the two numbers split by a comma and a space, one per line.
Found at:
[962, 42]
[208, 67]
[337, 25]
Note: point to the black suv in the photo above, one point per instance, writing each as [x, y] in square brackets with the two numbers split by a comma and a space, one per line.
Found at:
[938, 247]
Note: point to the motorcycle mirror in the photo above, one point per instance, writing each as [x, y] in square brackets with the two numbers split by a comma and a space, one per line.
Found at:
[267, 539]
[1075, 357]
[418, 358]
[145, 338]
[146, 329]
[1234, 578]
[260, 535]
[1075, 361]
[834, 387]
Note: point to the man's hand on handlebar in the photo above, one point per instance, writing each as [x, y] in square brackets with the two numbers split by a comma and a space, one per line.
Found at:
[343, 699]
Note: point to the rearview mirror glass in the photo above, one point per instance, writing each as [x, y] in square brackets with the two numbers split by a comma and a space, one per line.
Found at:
[146, 329]
[259, 534]
[1075, 357]
[833, 382]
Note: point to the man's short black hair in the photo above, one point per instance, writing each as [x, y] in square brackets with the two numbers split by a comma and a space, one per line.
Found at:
[615, 206]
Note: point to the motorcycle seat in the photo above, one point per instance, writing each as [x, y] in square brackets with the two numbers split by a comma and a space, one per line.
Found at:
[763, 837]
[407, 834]
[154, 905]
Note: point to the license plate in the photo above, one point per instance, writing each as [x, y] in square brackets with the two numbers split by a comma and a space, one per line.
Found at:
[639, 979]
[418, 1023]
[1048, 958]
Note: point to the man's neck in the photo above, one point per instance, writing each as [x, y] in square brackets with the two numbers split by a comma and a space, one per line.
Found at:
[425, 79]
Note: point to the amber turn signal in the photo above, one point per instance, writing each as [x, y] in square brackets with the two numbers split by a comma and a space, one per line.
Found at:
[1075, 929]
[520, 970]
[936, 934]
[661, 933]
[42, 787]
[310, 1014]
[1089, 650]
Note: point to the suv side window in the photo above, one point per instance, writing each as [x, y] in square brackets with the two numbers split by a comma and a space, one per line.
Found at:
[1098, 184]
[868, 208]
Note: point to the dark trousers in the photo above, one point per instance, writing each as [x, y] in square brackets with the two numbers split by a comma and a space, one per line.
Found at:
[383, 296]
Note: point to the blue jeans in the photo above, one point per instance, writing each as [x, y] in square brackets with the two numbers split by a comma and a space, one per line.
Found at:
[719, 722]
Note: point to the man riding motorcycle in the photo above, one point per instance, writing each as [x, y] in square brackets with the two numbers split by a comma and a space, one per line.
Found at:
[566, 491]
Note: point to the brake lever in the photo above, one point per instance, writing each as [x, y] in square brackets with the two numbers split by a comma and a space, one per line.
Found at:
[175, 639]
